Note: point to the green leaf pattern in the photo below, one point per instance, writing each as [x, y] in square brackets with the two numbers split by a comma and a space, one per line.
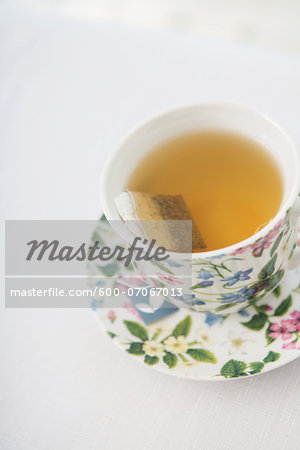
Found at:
[257, 322]
[154, 349]
[172, 348]
[136, 329]
[183, 327]
[284, 306]
[234, 368]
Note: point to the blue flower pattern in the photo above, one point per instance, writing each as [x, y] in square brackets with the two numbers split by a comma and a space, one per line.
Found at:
[243, 313]
[191, 300]
[241, 275]
[204, 275]
[173, 263]
[241, 296]
[212, 318]
[205, 283]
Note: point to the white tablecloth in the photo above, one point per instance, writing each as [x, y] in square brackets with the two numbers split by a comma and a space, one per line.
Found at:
[69, 91]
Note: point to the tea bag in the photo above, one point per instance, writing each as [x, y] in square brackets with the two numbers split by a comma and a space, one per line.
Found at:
[160, 217]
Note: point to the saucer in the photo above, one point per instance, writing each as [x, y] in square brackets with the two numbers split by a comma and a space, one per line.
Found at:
[195, 345]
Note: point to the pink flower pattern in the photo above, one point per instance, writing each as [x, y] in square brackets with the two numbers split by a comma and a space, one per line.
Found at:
[296, 317]
[111, 315]
[287, 329]
[284, 329]
[134, 281]
[289, 345]
[263, 243]
[169, 279]
[241, 250]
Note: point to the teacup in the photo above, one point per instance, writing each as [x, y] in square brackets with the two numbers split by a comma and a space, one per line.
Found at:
[230, 278]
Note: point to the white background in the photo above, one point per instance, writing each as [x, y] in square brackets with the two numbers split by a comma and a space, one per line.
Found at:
[69, 90]
[270, 23]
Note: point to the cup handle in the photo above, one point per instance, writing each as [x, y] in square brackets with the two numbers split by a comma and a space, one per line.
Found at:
[295, 261]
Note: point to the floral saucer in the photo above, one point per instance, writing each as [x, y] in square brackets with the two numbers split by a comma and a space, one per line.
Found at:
[201, 346]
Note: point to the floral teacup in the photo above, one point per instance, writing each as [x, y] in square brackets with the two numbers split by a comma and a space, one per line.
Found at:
[231, 278]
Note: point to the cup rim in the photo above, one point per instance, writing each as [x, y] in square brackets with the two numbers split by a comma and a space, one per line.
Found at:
[289, 202]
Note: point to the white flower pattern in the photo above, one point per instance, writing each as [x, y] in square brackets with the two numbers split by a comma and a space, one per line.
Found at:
[153, 348]
[176, 345]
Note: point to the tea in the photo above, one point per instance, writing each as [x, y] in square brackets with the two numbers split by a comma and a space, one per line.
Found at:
[231, 184]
